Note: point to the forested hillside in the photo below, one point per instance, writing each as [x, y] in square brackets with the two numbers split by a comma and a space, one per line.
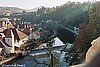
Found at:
[69, 14]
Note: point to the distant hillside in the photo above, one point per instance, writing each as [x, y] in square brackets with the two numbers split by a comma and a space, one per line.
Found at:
[35, 9]
[10, 9]
[16, 10]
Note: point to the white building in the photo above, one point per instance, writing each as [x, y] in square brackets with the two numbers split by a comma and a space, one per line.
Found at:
[11, 39]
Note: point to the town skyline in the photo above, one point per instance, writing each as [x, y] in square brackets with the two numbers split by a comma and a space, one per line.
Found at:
[24, 4]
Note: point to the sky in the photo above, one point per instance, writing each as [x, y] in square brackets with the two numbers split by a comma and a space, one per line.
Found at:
[30, 4]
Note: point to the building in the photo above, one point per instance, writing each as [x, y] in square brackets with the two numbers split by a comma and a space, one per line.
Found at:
[11, 39]
[4, 23]
[34, 35]
[28, 31]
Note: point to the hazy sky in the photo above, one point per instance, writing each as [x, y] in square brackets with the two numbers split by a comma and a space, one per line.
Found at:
[30, 4]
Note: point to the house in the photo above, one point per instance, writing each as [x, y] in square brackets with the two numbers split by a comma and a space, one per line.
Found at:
[58, 42]
[28, 31]
[34, 35]
[4, 23]
[3, 45]
[7, 13]
[12, 39]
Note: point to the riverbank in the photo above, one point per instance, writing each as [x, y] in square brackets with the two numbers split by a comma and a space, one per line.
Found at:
[6, 60]
[11, 60]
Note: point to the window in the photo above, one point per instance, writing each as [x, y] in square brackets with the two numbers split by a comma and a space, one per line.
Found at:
[8, 39]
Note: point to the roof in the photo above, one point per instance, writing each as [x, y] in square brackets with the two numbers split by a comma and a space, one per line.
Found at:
[27, 31]
[1, 45]
[21, 35]
[2, 35]
[0, 22]
[17, 34]
[9, 25]
[58, 42]
[9, 33]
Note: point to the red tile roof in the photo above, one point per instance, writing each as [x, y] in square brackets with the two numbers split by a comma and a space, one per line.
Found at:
[1, 22]
[21, 35]
[26, 31]
[1, 45]
[17, 34]
[9, 33]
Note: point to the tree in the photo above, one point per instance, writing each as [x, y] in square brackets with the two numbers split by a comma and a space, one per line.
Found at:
[80, 39]
[90, 31]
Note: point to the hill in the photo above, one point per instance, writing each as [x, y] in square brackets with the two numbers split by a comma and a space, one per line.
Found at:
[35, 9]
[10, 10]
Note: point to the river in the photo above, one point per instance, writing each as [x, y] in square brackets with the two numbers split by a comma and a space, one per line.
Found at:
[41, 58]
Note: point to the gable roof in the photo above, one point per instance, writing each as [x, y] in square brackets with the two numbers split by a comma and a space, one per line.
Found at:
[27, 31]
[9, 33]
[21, 35]
[17, 34]
[1, 45]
